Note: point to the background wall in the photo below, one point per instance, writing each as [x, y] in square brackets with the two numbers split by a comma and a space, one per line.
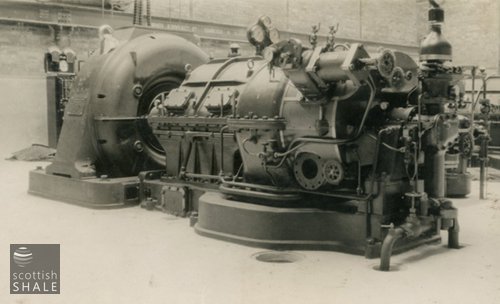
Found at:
[382, 20]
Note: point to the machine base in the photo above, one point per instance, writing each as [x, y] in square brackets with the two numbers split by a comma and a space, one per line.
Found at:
[92, 192]
[291, 228]
[458, 184]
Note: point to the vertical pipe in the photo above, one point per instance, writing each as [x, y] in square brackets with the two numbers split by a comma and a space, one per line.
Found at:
[453, 231]
[484, 151]
[435, 183]
[439, 174]
[224, 128]
[483, 159]
[185, 161]
[473, 99]
[386, 250]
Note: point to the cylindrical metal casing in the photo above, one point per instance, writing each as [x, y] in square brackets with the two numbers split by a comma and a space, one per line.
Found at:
[330, 66]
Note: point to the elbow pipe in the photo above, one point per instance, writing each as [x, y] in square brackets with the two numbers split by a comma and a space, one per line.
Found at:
[413, 228]
[386, 250]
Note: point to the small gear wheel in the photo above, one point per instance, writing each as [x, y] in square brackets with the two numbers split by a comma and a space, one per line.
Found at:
[386, 63]
[466, 144]
[333, 171]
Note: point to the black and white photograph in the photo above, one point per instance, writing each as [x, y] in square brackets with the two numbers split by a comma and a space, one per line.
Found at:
[250, 151]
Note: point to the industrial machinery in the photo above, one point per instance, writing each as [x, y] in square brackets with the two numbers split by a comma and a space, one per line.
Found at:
[60, 67]
[322, 147]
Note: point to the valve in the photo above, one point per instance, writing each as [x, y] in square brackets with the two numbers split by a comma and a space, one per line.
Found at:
[313, 37]
[330, 40]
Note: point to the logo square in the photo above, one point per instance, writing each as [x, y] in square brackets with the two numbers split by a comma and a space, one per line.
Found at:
[35, 269]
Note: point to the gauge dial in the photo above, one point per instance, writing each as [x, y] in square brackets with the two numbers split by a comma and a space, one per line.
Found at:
[257, 34]
[274, 35]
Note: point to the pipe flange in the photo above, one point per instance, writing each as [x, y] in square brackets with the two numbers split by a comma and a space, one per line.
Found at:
[308, 171]
[334, 172]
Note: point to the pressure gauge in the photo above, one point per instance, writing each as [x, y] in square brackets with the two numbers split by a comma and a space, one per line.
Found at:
[266, 21]
[257, 34]
[274, 35]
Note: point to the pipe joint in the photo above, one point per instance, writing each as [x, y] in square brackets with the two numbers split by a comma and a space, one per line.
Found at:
[412, 228]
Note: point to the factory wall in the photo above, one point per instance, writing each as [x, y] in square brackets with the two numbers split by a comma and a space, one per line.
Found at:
[390, 21]
[394, 21]
[22, 46]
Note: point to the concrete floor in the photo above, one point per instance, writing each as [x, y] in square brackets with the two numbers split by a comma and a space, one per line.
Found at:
[136, 256]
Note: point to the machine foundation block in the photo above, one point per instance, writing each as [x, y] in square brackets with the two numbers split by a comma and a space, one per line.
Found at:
[92, 192]
[281, 228]
[458, 184]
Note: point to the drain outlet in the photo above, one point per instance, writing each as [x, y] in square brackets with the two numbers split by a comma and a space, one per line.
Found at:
[277, 257]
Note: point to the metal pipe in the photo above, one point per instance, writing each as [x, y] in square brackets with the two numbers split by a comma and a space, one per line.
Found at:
[439, 174]
[186, 159]
[482, 179]
[473, 99]
[412, 227]
[435, 185]
[371, 84]
[263, 188]
[282, 197]
[483, 161]
[419, 144]
[221, 173]
[386, 251]
[453, 241]
[369, 195]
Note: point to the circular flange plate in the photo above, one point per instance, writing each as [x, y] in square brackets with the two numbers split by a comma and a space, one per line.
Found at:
[308, 171]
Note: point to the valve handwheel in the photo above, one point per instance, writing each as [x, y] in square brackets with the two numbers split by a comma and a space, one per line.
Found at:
[333, 171]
